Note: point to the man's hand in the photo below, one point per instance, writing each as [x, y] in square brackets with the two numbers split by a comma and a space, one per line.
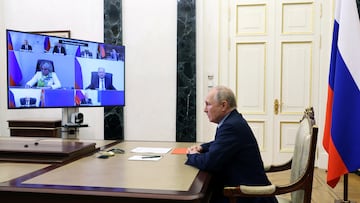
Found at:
[195, 149]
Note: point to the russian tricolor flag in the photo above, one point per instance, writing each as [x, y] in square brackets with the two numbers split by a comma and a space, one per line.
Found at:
[9, 41]
[15, 74]
[101, 50]
[342, 125]
[11, 99]
[47, 44]
[79, 96]
[78, 72]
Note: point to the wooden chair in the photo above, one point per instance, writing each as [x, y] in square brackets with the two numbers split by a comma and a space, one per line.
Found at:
[301, 166]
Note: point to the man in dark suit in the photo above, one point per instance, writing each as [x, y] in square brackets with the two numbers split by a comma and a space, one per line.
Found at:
[28, 101]
[114, 55]
[59, 49]
[101, 81]
[233, 157]
[86, 54]
[26, 46]
[86, 99]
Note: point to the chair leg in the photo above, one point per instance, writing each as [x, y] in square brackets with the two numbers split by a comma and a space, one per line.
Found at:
[307, 195]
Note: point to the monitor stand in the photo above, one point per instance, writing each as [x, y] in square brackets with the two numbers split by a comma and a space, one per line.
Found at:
[70, 130]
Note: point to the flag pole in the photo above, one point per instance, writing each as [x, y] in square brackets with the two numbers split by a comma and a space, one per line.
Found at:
[346, 184]
[346, 178]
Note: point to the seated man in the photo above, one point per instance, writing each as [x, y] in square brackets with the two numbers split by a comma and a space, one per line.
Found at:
[45, 78]
[101, 81]
[59, 49]
[114, 55]
[26, 46]
[86, 99]
[86, 54]
[28, 101]
[233, 157]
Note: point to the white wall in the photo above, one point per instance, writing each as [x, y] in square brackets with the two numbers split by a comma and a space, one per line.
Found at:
[149, 34]
[3, 99]
[47, 15]
[208, 22]
[56, 15]
[326, 33]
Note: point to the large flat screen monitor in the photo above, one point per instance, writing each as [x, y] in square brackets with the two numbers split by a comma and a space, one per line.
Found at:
[55, 72]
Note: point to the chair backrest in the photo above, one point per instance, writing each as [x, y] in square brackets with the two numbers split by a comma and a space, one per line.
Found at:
[300, 161]
[302, 169]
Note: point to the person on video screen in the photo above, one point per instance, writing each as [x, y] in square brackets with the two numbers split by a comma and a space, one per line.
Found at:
[101, 80]
[59, 49]
[45, 78]
[86, 54]
[26, 46]
[114, 55]
[86, 99]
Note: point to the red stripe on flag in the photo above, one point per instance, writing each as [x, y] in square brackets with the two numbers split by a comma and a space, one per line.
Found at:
[326, 139]
[336, 165]
[9, 41]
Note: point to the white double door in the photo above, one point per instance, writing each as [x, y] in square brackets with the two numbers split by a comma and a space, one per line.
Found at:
[273, 58]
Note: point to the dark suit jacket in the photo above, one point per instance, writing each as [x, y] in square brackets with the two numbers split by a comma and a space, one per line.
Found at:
[28, 48]
[233, 158]
[86, 101]
[86, 53]
[95, 82]
[56, 50]
[32, 101]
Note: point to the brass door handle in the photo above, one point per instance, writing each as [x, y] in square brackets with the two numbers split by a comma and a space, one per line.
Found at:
[276, 107]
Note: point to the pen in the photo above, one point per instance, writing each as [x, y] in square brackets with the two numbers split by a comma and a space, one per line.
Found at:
[149, 157]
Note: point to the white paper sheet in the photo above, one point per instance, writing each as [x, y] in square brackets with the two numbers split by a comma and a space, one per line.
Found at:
[156, 150]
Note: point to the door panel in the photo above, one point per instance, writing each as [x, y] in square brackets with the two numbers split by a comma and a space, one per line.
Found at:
[250, 63]
[295, 76]
[273, 52]
[251, 70]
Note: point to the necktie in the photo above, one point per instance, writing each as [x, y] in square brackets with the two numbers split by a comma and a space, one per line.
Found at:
[102, 84]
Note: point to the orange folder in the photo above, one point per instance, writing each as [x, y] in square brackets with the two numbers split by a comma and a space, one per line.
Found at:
[179, 151]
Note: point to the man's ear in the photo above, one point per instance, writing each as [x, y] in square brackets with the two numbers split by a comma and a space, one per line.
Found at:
[224, 105]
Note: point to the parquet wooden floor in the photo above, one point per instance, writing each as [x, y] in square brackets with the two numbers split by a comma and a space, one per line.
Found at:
[322, 193]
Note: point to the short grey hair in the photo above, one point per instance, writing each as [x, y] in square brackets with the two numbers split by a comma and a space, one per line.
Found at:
[225, 93]
[47, 65]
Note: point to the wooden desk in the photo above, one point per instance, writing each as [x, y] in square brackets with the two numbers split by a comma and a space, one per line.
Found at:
[115, 179]
[35, 127]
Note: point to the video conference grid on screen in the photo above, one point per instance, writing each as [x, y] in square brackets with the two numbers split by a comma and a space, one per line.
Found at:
[48, 71]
